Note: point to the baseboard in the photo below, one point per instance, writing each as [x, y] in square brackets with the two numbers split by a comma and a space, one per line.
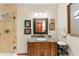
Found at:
[21, 53]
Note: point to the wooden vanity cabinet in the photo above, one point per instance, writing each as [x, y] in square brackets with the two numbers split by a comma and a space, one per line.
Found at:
[53, 47]
[42, 48]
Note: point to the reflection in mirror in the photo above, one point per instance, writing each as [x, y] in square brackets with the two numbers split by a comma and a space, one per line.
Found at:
[40, 25]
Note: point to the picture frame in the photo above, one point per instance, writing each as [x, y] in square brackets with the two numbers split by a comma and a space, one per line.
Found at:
[27, 23]
[73, 19]
[52, 26]
[52, 20]
[27, 30]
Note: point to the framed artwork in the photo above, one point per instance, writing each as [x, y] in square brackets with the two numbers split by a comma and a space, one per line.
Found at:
[40, 26]
[27, 23]
[52, 24]
[73, 19]
[27, 30]
[52, 20]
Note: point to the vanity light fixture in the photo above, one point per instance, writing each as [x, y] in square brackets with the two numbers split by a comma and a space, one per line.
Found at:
[40, 15]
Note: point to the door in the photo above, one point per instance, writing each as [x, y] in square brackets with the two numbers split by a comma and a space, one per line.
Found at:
[38, 26]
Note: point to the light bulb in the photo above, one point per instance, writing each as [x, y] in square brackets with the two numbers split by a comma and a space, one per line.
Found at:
[40, 14]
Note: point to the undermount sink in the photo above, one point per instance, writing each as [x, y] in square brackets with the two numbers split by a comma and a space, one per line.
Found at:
[41, 39]
[61, 43]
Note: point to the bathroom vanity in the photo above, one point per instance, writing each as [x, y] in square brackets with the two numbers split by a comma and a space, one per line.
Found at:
[42, 48]
[40, 43]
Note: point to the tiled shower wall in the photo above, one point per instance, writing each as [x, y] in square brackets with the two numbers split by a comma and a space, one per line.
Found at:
[8, 28]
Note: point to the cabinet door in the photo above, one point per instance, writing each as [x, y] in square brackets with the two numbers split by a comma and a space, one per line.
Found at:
[38, 46]
[53, 47]
[31, 52]
[42, 51]
[38, 51]
[31, 49]
[53, 52]
[46, 51]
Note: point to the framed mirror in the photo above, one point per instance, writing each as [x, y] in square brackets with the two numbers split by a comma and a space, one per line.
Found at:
[40, 25]
[73, 19]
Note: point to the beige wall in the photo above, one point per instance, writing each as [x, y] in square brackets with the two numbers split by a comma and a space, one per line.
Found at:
[72, 41]
[26, 12]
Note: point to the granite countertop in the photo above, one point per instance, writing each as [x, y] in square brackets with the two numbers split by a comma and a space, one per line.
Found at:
[49, 40]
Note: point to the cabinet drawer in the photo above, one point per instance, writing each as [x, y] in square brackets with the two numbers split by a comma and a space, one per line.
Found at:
[38, 44]
[31, 44]
[45, 44]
